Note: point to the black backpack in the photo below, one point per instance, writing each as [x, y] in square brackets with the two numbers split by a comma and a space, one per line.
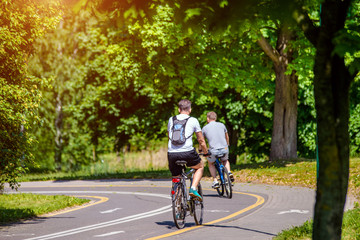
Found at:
[178, 137]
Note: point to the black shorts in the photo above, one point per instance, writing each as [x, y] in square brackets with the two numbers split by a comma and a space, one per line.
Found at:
[191, 157]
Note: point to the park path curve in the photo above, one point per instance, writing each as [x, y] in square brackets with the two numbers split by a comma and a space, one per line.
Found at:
[283, 207]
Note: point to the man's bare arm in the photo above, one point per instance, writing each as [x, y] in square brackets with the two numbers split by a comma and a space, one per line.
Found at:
[227, 138]
[202, 143]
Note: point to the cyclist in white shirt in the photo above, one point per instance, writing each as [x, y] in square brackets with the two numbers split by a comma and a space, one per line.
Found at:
[186, 151]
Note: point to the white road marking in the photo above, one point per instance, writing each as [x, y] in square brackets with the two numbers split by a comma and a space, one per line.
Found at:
[104, 224]
[105, 192]
[109, 234]
[294, 211]
[216, 211]
[111, 210]
[18, 235]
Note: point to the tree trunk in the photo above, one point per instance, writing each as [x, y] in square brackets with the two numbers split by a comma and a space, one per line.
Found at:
[120, 149]
[58, 131]
[233, 140]
[331, 86]
[284, 136]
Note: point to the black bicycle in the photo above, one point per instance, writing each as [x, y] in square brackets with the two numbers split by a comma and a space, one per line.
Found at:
[182, 203]
[224, 178]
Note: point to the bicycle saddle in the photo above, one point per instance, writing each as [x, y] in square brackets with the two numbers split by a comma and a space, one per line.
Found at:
[181, 162]
[220, 155]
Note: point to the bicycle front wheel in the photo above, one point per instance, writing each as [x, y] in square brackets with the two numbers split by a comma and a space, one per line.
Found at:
[179, 206]
[198, 207]
[220, 190]
[227, 183]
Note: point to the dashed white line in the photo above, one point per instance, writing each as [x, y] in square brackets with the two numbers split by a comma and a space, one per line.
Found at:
[294, 211]
[109, 234]
[216, 211]
[111, 210]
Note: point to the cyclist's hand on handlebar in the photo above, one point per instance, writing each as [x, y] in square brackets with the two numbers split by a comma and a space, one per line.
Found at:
[205, 155]
[208, 153]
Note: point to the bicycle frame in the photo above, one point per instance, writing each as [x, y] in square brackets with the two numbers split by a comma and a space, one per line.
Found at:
[219, 167]
[182, 181]
[182, 202]
[225, 185]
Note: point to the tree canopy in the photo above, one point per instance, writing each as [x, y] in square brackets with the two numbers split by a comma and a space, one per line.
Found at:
[21, 22]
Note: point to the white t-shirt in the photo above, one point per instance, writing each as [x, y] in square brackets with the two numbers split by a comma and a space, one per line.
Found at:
[192, 126]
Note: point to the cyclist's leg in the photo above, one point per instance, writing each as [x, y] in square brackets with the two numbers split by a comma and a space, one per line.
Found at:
[198, 174]
[212, 169]
[196, 181]
[225, 158]
[194, 161]
[211, 163]
[226, 163]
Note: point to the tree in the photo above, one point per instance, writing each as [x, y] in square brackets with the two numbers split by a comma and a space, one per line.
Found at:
[264, 22]
[59, 60]
[336, 40]
[21, 23]
[194, 60]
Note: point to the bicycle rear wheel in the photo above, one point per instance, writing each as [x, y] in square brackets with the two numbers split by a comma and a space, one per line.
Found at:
[198, 207]
[179, 206]
[227, 183]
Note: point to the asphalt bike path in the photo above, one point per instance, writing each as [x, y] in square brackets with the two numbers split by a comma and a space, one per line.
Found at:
[141, 209]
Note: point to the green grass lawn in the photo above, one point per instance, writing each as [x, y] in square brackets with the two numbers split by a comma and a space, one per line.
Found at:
[14, 207]
[350, 228]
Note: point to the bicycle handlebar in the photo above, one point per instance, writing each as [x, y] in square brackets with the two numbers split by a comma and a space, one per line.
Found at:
[205, 155]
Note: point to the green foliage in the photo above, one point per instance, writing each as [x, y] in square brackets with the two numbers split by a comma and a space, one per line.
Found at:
[354, 121]
[54, 61]
[120, 79]
[21, 22]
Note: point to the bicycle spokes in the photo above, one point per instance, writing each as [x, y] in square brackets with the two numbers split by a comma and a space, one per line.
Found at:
[178, 205]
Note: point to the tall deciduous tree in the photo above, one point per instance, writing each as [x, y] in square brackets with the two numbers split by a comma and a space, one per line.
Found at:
[264, 17]
[284, 135]
[334, 70]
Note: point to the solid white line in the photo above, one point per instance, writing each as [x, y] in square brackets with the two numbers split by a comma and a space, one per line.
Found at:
[109, 234]
[105, 192]
[104, 224]
[111, 210]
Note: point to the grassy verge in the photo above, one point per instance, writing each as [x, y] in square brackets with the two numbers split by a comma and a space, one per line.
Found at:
[350, 228]
[302, 173]
[14, 207]
[299, 172]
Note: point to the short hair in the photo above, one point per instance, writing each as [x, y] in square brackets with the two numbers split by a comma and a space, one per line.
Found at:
[211, 115]
[185, 105]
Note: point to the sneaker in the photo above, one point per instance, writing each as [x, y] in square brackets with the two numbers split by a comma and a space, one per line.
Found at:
[232, 179]
[215, 185]
[193, 193]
